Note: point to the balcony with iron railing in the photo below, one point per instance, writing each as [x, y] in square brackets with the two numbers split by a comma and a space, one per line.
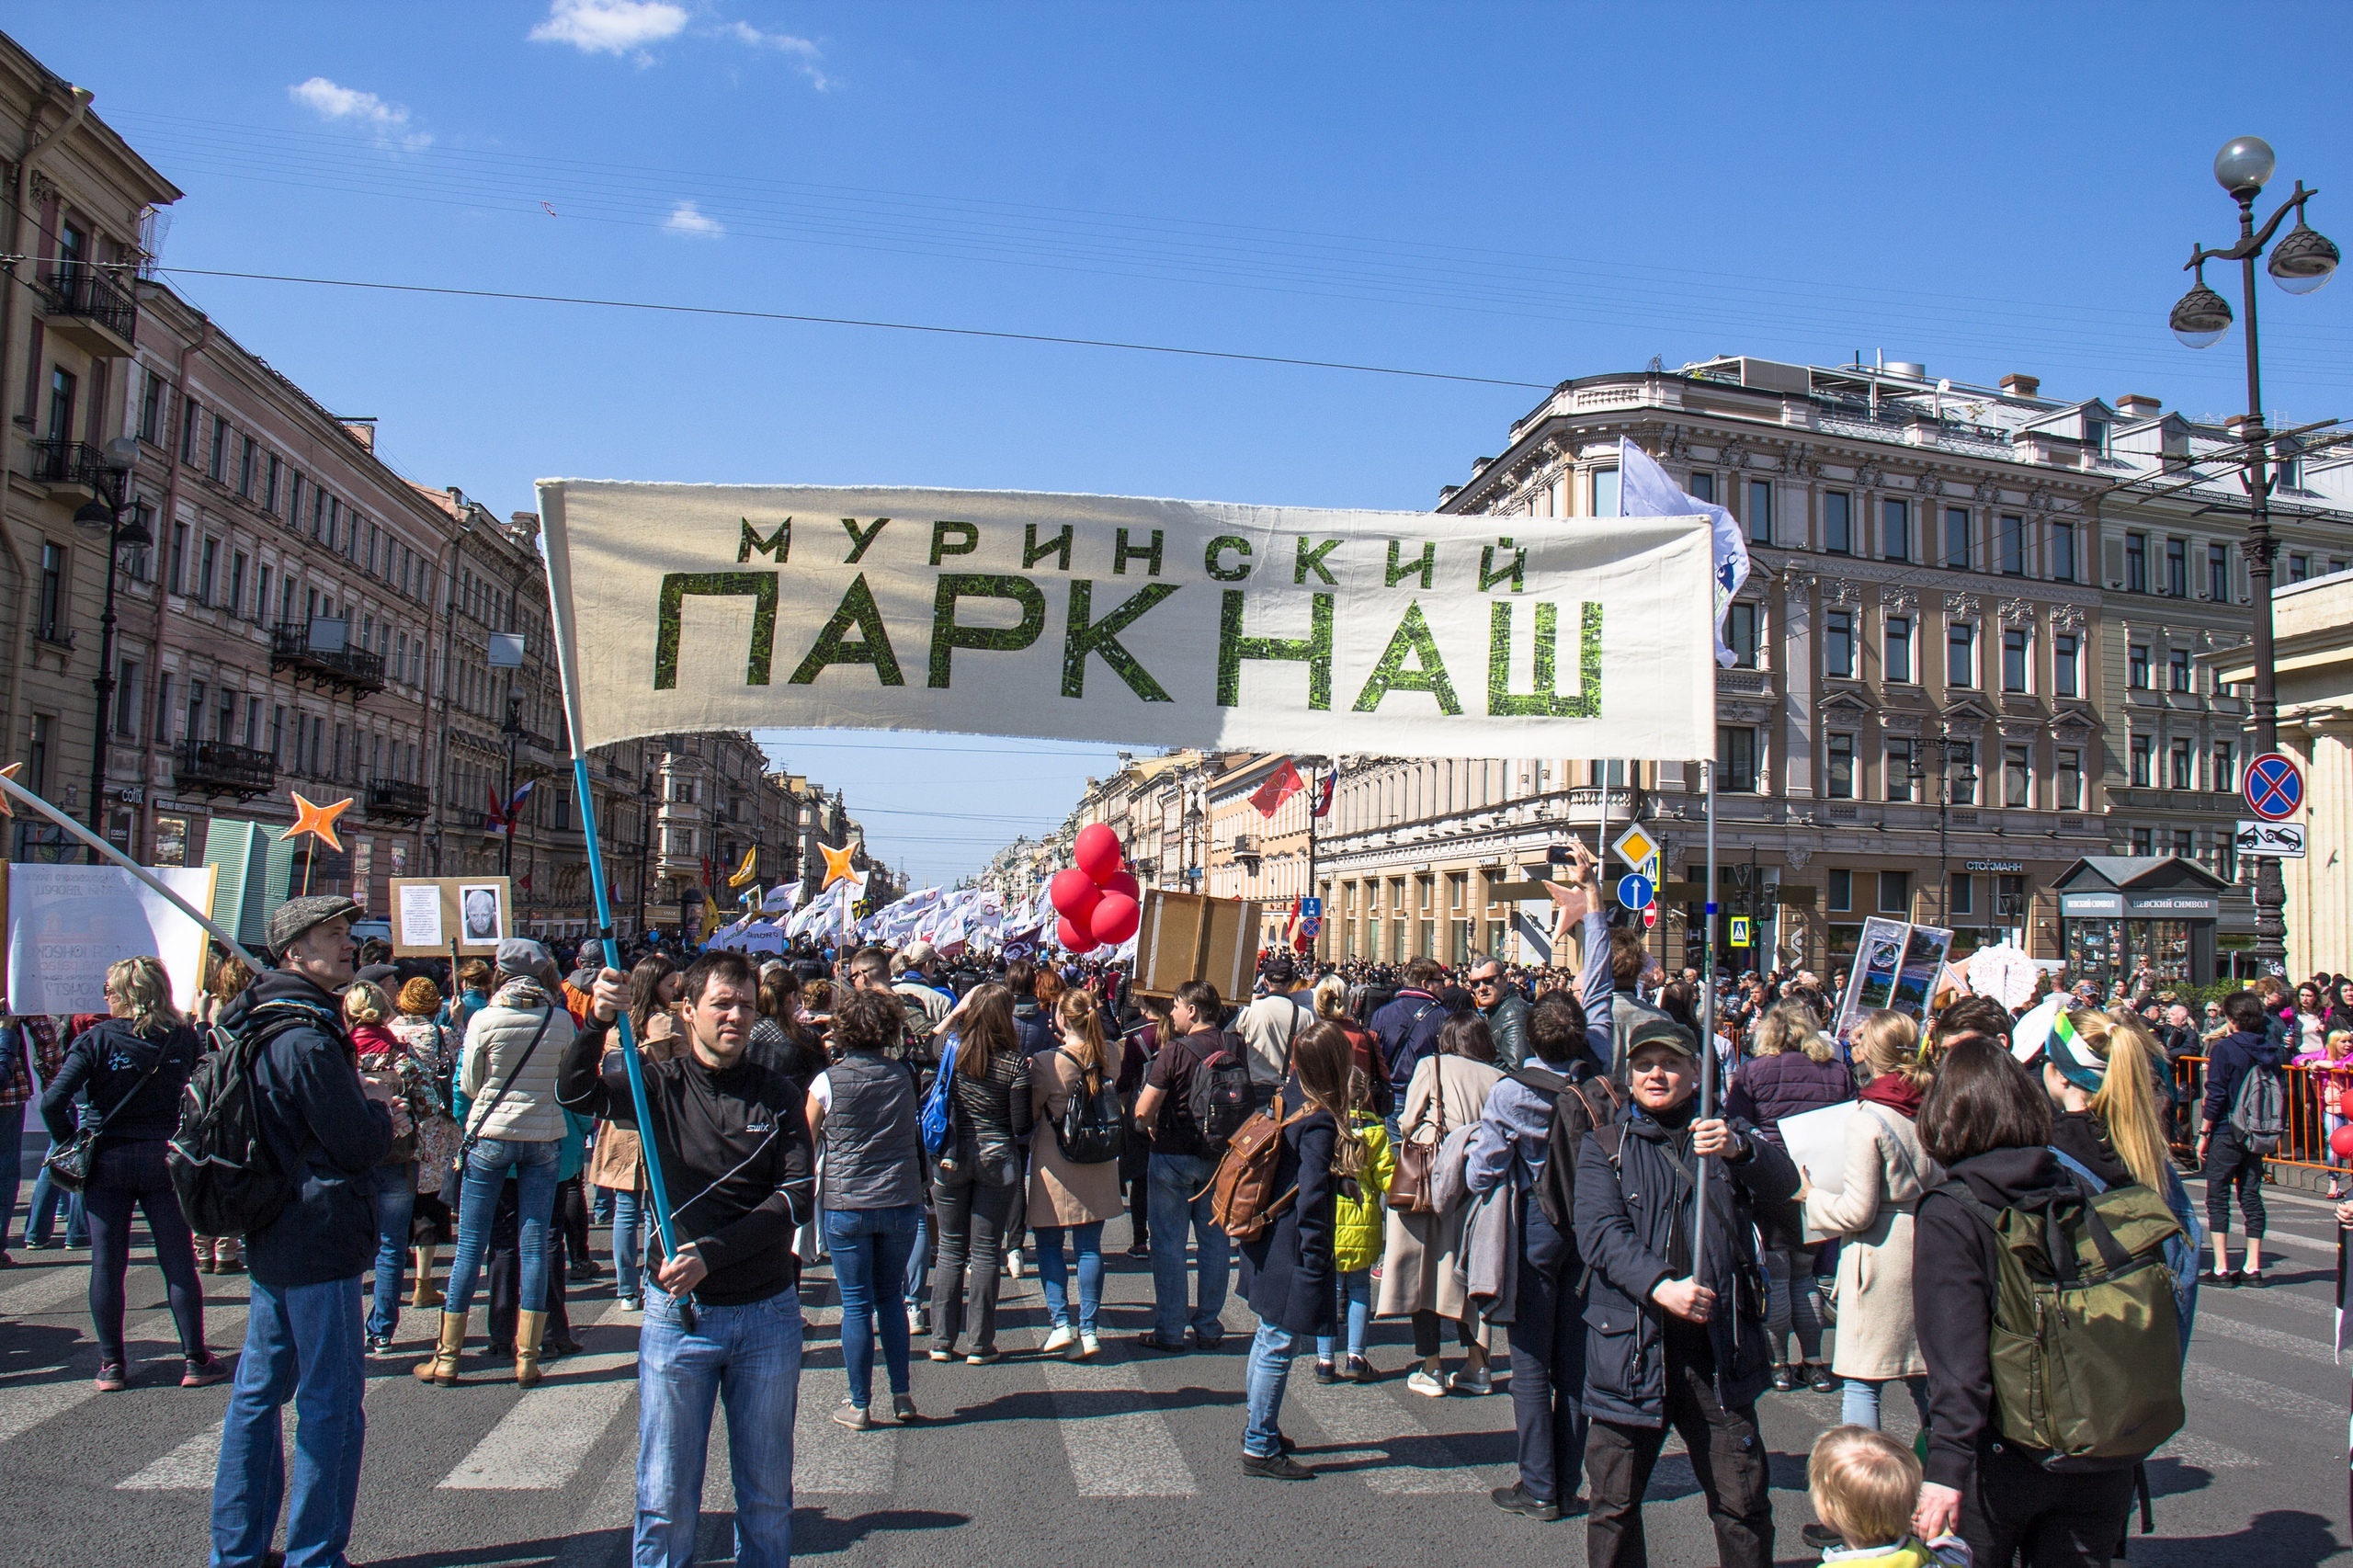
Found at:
[293, 647]
[69, 467]
[217, 768]
[90, 310]
[397, 799]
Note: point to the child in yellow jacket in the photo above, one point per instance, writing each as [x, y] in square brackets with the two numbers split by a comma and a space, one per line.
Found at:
[1356, 1246]
[1865, 1486]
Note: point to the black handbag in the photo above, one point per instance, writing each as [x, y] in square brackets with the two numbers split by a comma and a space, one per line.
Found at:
[69, 1164]
[453, 1182]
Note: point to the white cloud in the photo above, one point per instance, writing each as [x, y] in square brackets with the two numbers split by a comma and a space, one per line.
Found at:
[610, 27]
[806, 52]
[331, 101]
[686, 219]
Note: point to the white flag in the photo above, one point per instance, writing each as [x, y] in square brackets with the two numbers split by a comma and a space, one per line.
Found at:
[1645, 491]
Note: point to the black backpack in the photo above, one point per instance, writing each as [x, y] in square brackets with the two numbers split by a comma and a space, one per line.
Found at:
[1579, 1105]
[228, 1182]
[1093, 1129]
[1217, 1096]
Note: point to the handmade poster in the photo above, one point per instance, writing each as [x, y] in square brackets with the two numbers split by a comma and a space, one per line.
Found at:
[1114, 617]
[67, 924]
[431, 914]
[1897, 967]
[483, 910]
[419, 913]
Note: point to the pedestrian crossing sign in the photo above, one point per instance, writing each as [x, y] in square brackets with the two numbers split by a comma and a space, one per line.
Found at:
[1634, 846]
[1740, 931]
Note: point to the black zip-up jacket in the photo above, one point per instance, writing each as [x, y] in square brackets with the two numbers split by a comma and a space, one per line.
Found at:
[112, 1061]
[737, 1163]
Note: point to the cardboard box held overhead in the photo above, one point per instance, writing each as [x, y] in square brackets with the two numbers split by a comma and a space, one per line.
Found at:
[1188, 935]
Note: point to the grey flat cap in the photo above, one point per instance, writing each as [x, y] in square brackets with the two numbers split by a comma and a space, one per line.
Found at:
[520, 955]
[296, 915]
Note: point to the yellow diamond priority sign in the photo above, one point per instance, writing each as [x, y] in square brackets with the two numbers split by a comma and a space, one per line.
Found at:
[1634, 846]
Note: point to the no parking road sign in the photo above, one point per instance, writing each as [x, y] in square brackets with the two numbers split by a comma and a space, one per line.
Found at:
[2274, 787]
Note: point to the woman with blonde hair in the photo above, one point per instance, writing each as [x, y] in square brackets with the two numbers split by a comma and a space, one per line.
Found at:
[134, 1062]
[1794, 1070]
[1068, 1198]
[1882, 1178]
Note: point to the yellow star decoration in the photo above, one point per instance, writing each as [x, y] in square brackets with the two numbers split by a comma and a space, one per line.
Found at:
[838, 867]
[8, 807]
[318, 820]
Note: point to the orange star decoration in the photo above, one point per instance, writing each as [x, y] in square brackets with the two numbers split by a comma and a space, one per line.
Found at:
[837, 864]
[8, 806]
[318, 820]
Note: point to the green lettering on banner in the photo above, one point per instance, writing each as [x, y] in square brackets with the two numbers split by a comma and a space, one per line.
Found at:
[676, 586]
[945, 636]
[1315, 649]
[1517, 570]
[1102, 638]
[1428, 674]
[1426, 565]
[1313, 560]
[858, 542]
[873, 646]
[1033, 552]
[1122, 552]
[776, 547]
[966, 539]
[1545, 702]
[1218, 547]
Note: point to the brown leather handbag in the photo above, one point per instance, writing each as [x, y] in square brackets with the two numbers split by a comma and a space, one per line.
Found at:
[1409, 1189]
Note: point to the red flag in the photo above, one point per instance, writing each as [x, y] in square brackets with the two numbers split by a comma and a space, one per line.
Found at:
[1280, 786]
[1324, 795]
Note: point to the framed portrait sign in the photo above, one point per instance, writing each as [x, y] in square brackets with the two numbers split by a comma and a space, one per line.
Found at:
[432, 914]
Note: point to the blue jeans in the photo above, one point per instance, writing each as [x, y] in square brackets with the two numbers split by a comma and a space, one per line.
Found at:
[301, 1343]
[1175, 1210]
[1356, 1297]
[919, 1259]
[533, 1166]
[1262, 1384]
[1086, 1241]
[40, 1219]
[395, 1202]
[870, 1248]
[1859, 1402]
[749, 1359]
[600, 1208]
[629, 1240]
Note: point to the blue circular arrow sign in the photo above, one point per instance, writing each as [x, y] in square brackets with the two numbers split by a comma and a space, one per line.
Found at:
[2274, 787]
[1634, 890]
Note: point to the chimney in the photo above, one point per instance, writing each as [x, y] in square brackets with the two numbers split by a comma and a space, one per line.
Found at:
[360, 427]
[2018, 384]
[525, 523]
[2138, 405]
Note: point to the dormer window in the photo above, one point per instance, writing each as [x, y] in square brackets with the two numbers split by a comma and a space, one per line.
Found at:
[2096, 436]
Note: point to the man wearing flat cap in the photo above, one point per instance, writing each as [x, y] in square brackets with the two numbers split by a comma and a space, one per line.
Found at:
[303, 1331]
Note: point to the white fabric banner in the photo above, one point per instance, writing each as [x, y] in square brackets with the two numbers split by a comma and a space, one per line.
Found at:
[1099, 618]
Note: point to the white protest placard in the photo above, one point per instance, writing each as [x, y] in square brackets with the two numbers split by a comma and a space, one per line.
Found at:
[683, 606]
[420, 914]
[68, 924]
[1816, 1142]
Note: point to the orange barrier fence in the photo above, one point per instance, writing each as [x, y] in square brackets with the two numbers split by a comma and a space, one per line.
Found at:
[2305, 1140]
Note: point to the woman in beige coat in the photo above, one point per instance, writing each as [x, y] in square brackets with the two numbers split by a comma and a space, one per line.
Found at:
[1447, 1093]
[1885, 1174]
[1066, 1198]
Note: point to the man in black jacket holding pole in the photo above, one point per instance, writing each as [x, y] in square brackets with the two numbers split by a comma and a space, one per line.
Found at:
[734, 1148]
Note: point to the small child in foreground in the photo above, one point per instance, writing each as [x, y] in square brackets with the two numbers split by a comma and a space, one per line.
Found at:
[1865, 1485]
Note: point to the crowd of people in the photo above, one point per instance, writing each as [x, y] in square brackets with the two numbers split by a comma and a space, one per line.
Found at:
[1561, 1158]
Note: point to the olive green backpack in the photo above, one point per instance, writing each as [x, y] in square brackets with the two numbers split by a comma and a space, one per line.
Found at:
[2085, 1344]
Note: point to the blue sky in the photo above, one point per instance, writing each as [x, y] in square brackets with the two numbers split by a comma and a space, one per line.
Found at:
[1522, 193]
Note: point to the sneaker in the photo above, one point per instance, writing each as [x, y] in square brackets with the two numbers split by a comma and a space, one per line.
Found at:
[1323, 1372]
[923, 1321]
[1275, 1467]
[1422, 1382]
[1359, 1371]
[943, 1352]
[112, 1379]
[1140, 1250]
[1517, 1499]
[40, 1247]
[1822, 1379]
[915, 1320]
[380, 1344]
[1208, 1341]
[1153, 1342]
[1087, 1343]
[853, 1416]
[213, 1370]
[204, 1266]
[987, 1358]
[1013, 1264]
[903, 1410]
[1473, 1380]
[586, 1270]
[1062, 1338]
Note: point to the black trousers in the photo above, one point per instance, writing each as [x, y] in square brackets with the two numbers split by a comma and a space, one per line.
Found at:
[572, 1215]
[1548, 1363]
[1727, 1455]
[2229, 1165]
[505, 1256]
[2014, 1510]
[971, 1221]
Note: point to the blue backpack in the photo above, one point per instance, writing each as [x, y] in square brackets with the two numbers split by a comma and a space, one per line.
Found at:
[939, 1105]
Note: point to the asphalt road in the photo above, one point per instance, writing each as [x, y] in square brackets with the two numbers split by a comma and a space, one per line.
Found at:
[1131, 1458]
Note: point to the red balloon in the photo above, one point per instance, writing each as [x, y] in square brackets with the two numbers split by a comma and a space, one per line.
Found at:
[2340, 1142]
[1074, 939]
[1096, 852]
[1122, 882]
[1073, 893]
[1116, 919]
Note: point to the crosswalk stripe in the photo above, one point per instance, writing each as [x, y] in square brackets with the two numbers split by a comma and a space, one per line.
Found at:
[537, 1444]
[2214, 1381]
[185, 1468]
[2205, 1455]
[1116, 1452]
[1375, 1424]
[54, 1287]
[832, 1458]
[2299, 1346]
[2310, 1306]
[23, 1408]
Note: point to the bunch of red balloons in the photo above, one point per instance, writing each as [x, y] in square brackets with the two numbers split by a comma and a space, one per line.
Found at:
[1100, 903]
